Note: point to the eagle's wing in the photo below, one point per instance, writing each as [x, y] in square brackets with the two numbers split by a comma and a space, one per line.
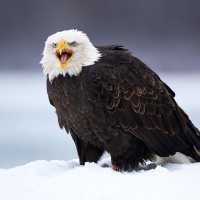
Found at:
[139, 102]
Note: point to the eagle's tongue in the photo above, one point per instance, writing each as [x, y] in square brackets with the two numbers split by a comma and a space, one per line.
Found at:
[64, 58]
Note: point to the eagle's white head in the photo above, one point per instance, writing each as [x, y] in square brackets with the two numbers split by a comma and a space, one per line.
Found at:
[67, 52]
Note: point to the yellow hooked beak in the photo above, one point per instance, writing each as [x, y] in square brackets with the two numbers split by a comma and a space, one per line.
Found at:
[64, 53]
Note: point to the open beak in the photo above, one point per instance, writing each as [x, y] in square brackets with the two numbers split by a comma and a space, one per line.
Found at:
[64, 53]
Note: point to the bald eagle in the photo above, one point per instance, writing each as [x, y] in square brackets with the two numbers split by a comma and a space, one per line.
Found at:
[109, 100]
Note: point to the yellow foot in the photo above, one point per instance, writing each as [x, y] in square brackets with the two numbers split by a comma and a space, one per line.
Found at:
[114, 167]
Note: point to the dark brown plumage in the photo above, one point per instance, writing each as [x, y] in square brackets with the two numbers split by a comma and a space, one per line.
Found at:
[121, 106]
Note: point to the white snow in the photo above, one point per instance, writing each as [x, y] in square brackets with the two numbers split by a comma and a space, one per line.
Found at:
[29, 132]
[41, 180]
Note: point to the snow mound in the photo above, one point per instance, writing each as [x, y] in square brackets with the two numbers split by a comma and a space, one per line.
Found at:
[68, 180]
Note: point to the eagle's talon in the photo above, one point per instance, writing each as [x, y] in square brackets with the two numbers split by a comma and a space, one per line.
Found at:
[114, 167]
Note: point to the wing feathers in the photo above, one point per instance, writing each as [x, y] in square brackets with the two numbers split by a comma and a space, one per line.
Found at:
[141, 103]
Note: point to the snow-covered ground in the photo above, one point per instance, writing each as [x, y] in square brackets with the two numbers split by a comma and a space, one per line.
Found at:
[41, 180]
[29, 132]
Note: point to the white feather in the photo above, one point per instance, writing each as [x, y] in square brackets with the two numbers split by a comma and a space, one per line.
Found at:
[176, 158]
[85, 54]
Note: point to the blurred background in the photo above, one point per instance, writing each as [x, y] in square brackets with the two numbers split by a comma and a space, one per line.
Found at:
[163, 34]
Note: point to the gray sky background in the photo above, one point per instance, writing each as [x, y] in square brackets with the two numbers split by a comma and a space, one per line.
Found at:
[164, 34]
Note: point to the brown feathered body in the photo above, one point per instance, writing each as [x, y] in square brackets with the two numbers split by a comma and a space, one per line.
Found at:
[121, 106]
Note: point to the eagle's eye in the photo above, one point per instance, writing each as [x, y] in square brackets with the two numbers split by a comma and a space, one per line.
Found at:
[73, 44]
[55, 45]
